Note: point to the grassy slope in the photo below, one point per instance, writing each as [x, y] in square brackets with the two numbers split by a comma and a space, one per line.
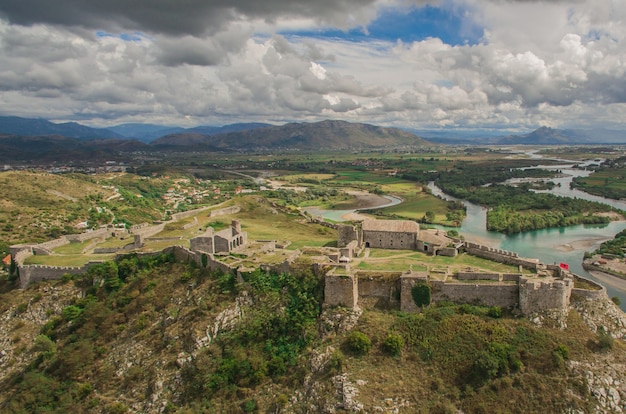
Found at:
[130, 340]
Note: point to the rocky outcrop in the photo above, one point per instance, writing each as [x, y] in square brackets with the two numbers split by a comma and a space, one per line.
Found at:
[602, 314]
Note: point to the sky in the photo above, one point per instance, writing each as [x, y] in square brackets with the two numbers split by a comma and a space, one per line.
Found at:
[490, 65]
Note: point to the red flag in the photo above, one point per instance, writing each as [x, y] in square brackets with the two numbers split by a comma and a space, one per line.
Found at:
[564, 266]
[7, 260]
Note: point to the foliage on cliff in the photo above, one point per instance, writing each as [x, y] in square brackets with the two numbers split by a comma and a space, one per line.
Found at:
[148, 334]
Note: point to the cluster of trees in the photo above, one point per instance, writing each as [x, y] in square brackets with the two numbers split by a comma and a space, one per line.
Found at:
[616, 247]
[267, 344]
[516, 209]
[507, 220]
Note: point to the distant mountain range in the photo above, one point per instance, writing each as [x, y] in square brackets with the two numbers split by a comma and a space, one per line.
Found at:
[324, 135]
[38, 139]
[540, 136]
[30, 127]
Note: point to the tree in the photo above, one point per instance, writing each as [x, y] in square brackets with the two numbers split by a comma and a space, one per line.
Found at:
[429, 217]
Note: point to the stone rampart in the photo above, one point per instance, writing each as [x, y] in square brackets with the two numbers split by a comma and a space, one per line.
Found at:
[340, 290]
[407, 281]
[384, 287]
[495, 294]
[36, 273]
[149, 231]
[186, 214]
[88, 235]
[537, 295]
[225, 211]
[20, 256]
[500, 256]
[478, 276]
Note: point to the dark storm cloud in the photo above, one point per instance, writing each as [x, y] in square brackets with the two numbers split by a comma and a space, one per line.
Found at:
[194, 17]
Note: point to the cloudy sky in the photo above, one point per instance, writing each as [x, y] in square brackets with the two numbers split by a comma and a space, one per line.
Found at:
[464, 64]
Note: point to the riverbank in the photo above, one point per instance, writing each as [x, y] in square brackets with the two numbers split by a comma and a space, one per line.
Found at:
[609, 280]
[362, 200]
[583, 244]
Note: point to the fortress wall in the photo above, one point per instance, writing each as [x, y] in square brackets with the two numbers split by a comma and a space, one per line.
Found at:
[225, 211]
[149, 231]
[591, 294]
[599, 293]
[88, 235]
[511, 277]
[407, 304]
[478, 276]
[501, 256]
[505, 296]
[340, 291]
[36, 273]
[535, 296]
[186, 214]
[448, 251]
[20, 256]
[380, 286]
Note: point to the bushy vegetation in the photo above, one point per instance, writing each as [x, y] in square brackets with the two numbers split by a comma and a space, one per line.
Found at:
[359, 343]
[517, 209]
[608, 180]
[267, 343]
[614, 247]
[421, 294]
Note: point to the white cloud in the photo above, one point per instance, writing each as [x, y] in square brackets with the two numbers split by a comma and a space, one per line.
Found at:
[556, 63]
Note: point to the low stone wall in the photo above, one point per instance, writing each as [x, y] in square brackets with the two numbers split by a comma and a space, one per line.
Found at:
[478, 276]
[500, 256]
[598, 294]
[53, 244]
[448, 251]
[225, 211]
[88, 235]
[186, 214]
[149, 231]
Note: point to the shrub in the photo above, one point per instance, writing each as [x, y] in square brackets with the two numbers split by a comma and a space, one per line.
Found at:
[249, 406]
[563, 351]
[495, 312]
[44, 345]
[72, 312]
[21, 308]
[605, 341]
[616, 300]
[393, 344]
[421, 294]
[359, 343]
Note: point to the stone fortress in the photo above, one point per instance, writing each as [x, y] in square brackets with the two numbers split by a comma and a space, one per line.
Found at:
[547, 287]
[544, 287]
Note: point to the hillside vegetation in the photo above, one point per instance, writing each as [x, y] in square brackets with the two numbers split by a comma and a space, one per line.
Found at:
[151, 335]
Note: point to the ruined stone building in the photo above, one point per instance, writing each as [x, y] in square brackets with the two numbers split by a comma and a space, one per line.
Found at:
[223, 241]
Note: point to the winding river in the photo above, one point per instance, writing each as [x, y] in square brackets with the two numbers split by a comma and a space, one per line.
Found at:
[555, 245]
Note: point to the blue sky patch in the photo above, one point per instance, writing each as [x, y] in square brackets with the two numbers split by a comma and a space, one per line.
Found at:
[452, 26]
